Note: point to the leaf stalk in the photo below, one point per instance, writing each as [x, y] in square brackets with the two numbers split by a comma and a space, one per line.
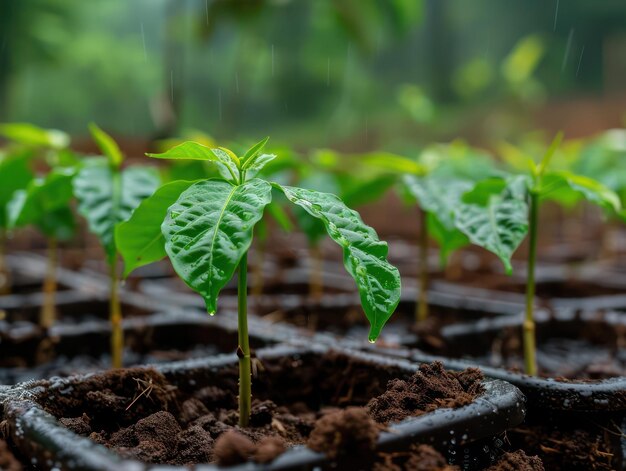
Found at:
[529, 341]
[243, 351]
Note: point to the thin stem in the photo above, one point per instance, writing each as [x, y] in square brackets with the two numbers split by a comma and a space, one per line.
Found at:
[316, 280]
[243, 351]
[48, 314]
[422, 303]
[5, 278]
[530, 360]
[115, 313]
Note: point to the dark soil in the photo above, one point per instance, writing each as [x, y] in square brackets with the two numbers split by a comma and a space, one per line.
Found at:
[517, 461]
[142, 415]
[8, 462]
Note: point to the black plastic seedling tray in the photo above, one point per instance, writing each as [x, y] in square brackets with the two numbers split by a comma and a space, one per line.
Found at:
[37, 434]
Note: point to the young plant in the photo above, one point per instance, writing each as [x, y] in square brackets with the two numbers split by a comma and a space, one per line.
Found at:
[107, 196]
[46, 204]
[435, 184]
[499, 212]
[206, 229]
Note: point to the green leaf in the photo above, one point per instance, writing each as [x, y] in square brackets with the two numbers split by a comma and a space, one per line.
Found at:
[256, 164]
[209, 229]
[393, 163]
[545, 161]
[45, 203]
[358, 192]
[107, 197]
[501, 225]
[228, 167]
[139, 239]
[107, 145]
[15, 174]
[592, 190]
[253, 152]
[448, 239]
[365, 256]
[30, 135]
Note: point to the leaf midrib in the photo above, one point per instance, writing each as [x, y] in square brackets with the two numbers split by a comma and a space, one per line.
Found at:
[217, 228]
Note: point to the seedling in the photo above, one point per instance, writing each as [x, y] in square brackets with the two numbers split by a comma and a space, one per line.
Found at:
[206, 228]
[435, 183]
[107, 196]
[46, 204]
[499, 212]
[27, 142]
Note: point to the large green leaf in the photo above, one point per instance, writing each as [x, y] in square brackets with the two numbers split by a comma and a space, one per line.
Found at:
[107, 197]
[45, 203]
[225, 160]
[501, 224]
[365, 256]
[209, 229]
[15, 174]
[139, 240]
[30, 135]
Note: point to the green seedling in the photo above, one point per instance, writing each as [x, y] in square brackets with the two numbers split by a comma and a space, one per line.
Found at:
[499, 212]
[206, 229]
[46, 204]
[107, 196]
[435, 184]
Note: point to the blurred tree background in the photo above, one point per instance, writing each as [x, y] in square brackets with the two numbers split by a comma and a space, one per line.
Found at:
[350, 74]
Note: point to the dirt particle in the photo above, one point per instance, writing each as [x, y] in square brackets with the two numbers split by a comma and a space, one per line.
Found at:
[78, 425]
[517, 461]
[195, 445]
[430, 388]
[268, 449]
[8, 462]
[160, 427]
[192, 409]
[351, 431]
[233, 448]
[426, 458]
[262, 413]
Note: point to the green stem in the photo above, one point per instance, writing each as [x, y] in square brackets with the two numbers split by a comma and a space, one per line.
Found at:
[421, 312]
[530, 360]
[243, 351]
[47, 315]
[115, 316]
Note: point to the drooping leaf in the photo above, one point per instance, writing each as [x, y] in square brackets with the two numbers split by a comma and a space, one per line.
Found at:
[15, 174]
[30, 135]
[312, 227]
[107, 197]
[209, 229]
[190, 150]
[447, 239]
[365, 256]
[139, 240]
[107, 145]
[499, 226]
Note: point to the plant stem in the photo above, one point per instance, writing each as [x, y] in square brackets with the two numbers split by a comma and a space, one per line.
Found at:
[530, 360]
[421, 312]
[5, 279]
[243, 351]
[115, 316]
[316, 280]
[47, 314]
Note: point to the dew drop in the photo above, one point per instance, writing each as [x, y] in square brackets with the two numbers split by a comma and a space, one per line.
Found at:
[372, 341]
[211, 313]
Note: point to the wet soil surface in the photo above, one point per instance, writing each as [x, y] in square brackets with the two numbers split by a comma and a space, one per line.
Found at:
[333, 402]
[8, 461]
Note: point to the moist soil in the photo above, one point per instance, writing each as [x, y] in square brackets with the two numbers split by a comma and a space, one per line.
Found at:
[336, 403]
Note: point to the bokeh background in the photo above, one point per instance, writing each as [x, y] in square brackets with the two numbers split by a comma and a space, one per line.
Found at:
[347, 74]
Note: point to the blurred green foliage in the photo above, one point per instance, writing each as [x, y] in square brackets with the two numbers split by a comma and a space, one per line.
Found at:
[353, 74]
